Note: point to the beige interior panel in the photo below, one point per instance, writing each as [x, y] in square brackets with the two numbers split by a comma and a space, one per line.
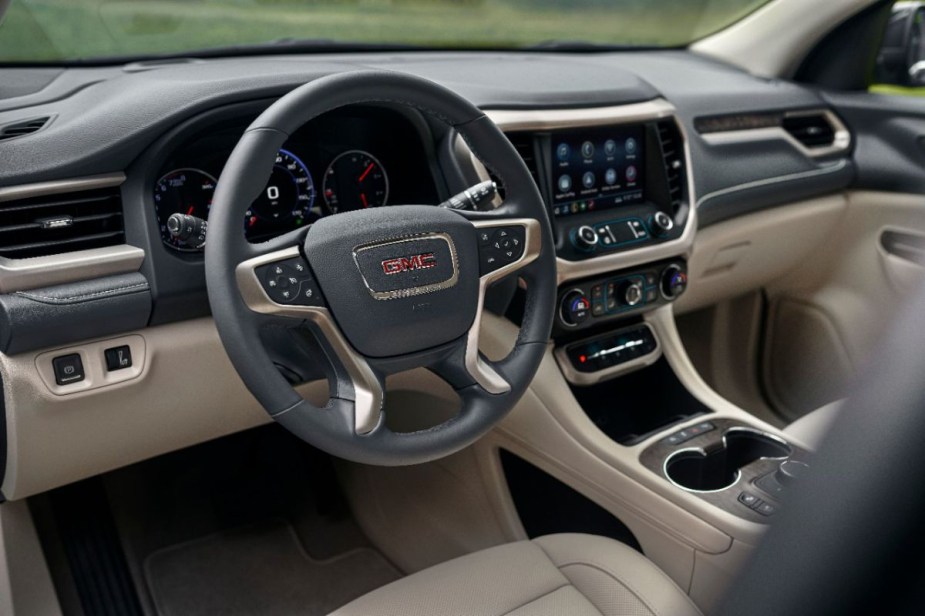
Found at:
[188, 392]
[25, 583]
[746, 253]
[806, 364]
[714, 574]
[723, 341]
[843, 299]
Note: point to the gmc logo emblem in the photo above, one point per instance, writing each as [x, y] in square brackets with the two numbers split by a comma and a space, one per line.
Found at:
[406, 264]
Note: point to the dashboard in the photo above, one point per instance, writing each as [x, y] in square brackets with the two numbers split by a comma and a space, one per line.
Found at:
[632, 153]
[350, 159]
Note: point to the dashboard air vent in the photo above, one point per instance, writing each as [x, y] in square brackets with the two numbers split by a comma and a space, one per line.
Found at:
[25, 127]
[812, 130]
[54, 224]
[672, 145]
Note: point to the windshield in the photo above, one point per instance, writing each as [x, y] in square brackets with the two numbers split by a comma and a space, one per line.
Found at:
[72, 30]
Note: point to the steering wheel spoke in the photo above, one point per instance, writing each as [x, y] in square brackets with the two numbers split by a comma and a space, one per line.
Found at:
[506, 246]
[279, 283]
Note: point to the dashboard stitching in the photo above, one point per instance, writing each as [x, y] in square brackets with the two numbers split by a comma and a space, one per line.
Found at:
[34, 296]
[775, 180]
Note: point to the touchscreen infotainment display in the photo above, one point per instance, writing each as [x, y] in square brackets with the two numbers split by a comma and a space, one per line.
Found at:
[597, 169]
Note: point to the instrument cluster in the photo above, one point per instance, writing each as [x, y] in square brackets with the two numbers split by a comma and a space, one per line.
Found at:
[348, 160]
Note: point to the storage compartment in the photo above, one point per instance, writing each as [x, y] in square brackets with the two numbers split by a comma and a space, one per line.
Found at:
[630, 408]
[720, 468]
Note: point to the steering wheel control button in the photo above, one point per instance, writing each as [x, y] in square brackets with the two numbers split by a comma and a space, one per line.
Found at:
[290, 282]
[505, 245]
[661, 224]
[118, 358]
[68, 369]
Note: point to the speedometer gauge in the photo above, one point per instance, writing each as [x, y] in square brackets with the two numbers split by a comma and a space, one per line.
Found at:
[355, 180]
[184, 191]
[287, 202]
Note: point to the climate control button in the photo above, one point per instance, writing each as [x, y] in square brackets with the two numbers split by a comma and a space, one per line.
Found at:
[574, 308]
[673, 282]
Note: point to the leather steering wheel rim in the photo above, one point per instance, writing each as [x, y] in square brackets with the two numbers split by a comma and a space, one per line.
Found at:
[352, 424]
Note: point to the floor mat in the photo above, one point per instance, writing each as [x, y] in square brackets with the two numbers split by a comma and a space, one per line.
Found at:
[259, 570]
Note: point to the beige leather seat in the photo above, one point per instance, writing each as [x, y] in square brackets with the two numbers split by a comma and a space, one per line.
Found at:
[569, 574]
[812, 427]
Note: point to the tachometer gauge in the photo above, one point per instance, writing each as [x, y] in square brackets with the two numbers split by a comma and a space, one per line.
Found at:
[287, 202]
[185, 191]
[355, 180]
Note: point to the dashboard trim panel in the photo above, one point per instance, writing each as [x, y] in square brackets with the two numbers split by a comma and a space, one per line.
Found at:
[549, 119]
[840, 145]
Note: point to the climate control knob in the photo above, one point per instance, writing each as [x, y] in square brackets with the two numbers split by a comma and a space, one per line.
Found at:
[673, 282]
[585, 238]
[575, 308]
[632, 292]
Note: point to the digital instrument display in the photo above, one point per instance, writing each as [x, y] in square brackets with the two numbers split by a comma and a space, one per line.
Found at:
[597, 169]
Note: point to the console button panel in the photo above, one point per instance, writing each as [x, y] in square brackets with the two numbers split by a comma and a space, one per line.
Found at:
[620, 295]
[612, 349]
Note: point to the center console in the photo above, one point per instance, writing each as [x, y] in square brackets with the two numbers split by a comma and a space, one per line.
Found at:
[617, 187]
[618, 411]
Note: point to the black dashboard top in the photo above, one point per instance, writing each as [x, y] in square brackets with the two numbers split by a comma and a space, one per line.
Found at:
[105, 117]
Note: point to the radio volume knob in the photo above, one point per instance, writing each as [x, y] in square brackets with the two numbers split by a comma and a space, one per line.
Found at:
[585, 238]
[662, 224]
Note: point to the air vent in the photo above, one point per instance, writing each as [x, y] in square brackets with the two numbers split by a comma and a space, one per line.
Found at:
[812, 130]
[55, 224]
[26, 127]
[672, 145]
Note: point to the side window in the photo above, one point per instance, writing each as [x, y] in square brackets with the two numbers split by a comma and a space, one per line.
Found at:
[901, 61]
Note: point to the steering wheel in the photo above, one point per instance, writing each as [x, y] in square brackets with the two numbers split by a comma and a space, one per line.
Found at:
[383, 290]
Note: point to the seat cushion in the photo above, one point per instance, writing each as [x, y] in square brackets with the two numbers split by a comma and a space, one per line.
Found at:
[578, 575]
[811, 428]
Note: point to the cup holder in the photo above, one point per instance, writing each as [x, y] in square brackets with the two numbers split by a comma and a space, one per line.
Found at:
[719, 468]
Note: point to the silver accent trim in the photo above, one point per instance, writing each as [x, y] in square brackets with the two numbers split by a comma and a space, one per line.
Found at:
[591, 378]
[40, 189]
[368, 393]
[36, 272]
[511, 120]
[410, 291]
[481, 371]
[738, 471]
[840, 144]
[24, 274]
